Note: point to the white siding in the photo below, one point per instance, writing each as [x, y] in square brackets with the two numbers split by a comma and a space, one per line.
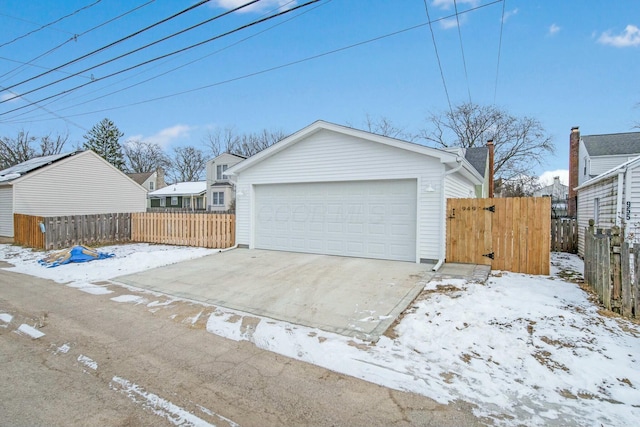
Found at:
[582, 153]
[329, 156]
[456, 186]
[82, 184]
[602, 164]
[229, 191]
[6, 211]
[632, 185]
[606, 192]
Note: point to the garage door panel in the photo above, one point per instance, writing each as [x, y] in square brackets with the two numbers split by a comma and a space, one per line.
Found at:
[373, 219]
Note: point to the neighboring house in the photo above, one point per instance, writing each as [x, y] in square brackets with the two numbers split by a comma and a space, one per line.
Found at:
[221, 193]
[612, 198]
[76, 183]
[479, 159]
[593, 155]
[151, 181]
[559, 194]
[183, 195]
[330, 189]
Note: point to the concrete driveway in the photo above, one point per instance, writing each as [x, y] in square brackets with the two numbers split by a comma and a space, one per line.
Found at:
[350, 296]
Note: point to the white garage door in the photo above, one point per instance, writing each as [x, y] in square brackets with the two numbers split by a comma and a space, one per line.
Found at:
[6, 211]
[369, 219]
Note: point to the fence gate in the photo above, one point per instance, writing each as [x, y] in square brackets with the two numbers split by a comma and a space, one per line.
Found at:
[510, 234]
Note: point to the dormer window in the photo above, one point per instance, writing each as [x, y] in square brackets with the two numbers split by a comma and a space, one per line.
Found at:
[219, 171]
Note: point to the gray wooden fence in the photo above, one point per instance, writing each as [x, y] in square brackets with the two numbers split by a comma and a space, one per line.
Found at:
[65, 231]
[612, 270]
[564, 235]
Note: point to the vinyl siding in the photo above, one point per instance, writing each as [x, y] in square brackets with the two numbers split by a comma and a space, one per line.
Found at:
[582, 153]
[229, 193]
[606, 191]
[78, 185]
[328, 156]
[633, 186]
[6, 211]
[602, 164]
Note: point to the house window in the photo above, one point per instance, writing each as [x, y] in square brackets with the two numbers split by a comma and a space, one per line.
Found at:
[586, 159]
[174, 200]
[218, 198]
[219, 170]
[186, 203]
[596, 210]
[151, 186]
[163, 202]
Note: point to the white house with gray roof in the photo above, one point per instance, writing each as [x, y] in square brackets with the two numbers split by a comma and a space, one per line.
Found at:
[600, 153]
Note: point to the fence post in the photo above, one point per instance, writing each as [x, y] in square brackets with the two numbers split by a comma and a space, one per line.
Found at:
[616, 279]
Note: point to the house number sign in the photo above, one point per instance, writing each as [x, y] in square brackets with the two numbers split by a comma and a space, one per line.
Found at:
[628, 211]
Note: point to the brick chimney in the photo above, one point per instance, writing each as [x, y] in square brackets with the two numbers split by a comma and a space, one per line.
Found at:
[490, 146]
[574, 149]
[160, 179]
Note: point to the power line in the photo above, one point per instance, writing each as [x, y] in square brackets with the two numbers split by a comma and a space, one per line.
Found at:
[175, 15]
[74, 38]
[264, 71]
[163, 56]
[464, 61]
[131, 52]
[190, 62]
[51, 23]
[495, 89]
[435, 46]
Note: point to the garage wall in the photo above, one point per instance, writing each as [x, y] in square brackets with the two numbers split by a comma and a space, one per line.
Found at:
[82, 184]
[606, 193]
[6, 211]
[330, 156]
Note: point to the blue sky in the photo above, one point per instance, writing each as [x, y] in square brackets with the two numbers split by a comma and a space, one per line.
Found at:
[566, 63]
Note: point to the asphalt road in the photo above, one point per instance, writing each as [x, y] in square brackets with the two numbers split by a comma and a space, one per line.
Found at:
[102, 363]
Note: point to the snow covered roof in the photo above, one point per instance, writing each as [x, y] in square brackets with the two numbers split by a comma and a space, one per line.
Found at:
[181, 189]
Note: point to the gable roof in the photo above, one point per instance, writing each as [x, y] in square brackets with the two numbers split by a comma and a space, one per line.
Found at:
[140, 178]
[181, 189]
[21, 169]
[477, 156]
[453, 157]
[612, 144]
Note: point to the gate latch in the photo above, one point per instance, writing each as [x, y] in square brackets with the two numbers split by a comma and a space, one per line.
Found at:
[490, 208]
[489, 255]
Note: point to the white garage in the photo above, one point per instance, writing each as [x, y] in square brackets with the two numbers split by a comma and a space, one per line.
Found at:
[333, 190]
[369, 219]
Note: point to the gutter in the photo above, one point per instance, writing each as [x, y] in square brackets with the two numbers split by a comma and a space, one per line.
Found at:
[619, 211]
[443, 235]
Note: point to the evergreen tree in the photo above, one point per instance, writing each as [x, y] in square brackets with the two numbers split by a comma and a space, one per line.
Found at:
[104, 139]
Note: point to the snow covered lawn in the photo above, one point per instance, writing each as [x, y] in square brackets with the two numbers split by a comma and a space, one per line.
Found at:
[530, 350]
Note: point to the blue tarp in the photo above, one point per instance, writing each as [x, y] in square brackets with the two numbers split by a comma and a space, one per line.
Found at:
[77, 253]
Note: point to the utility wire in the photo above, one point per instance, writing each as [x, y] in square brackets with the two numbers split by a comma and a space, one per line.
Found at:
[175, 15]
[131, 52]
[495, 89]
[464, 61]
[50, 23]
[435, 46]
[164, 56]
[190, 62]
[256, 73]
[74, 38]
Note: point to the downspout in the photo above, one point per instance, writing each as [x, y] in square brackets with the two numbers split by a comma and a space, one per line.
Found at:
[619, 211]
[443, 235]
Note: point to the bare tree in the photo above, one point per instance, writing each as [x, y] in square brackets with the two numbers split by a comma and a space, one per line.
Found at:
[385, 127]
[221, 141]
[188, 164]
[23, 147]
[144, 156]
[520, 142]
[518, 186]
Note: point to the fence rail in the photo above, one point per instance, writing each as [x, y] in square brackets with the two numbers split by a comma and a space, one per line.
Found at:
[612, 271]
[564, 235]
[203, 230]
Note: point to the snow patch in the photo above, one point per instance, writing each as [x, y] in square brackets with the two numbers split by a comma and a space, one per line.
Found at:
[88, 362]
[64, 348]
[30, 331]
[129, 298]
[6, 318]
[90, 288]
[162, 407]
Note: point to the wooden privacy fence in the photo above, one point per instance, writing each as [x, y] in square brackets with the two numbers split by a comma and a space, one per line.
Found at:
[609, 273]
[207, 230]
[564, 235]
[58, 232]
[510, 234]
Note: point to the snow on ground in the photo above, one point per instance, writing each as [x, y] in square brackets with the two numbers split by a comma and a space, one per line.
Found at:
[525, 349]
